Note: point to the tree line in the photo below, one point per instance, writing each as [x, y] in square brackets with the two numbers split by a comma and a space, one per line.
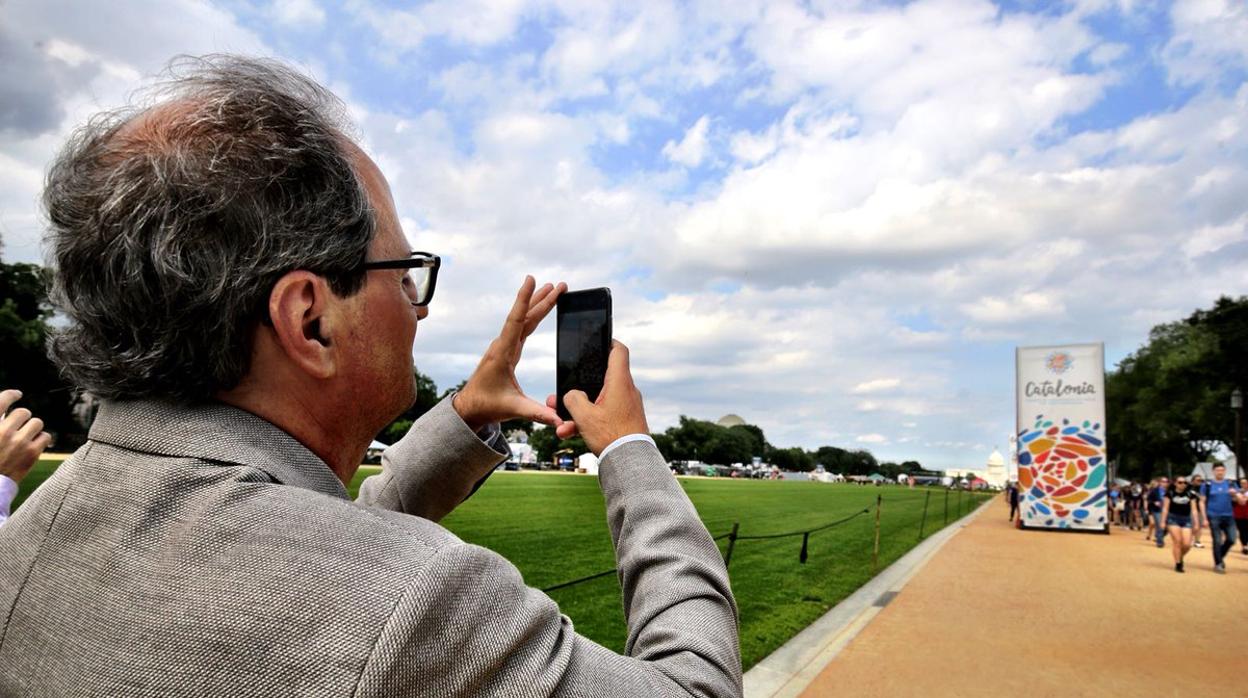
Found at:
[708, 442]
[1168, 403]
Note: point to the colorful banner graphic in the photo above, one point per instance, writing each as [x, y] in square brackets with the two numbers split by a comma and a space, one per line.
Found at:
[1061, 437]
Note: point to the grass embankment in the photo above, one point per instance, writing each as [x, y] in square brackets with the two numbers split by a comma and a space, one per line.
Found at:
[553, 528]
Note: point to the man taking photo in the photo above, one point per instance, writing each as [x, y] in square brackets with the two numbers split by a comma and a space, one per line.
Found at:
[239, 294]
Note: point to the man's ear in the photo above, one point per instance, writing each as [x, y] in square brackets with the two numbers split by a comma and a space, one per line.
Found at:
[298, 308]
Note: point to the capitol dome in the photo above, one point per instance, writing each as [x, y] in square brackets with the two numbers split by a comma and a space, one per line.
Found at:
[730, 420]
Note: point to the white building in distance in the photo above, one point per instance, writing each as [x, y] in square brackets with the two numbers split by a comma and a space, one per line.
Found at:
[996, 474]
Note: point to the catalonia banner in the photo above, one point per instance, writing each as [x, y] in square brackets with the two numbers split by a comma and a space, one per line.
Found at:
[1061, 437]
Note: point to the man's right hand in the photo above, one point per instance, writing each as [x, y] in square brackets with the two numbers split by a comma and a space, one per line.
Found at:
[22, 438]
[617, 412]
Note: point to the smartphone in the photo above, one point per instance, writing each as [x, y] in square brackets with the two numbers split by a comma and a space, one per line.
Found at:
[583, 341]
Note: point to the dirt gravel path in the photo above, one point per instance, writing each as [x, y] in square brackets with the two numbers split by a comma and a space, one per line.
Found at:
[1004, 612]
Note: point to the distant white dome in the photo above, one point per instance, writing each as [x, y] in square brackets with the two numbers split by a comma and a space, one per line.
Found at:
[730, 420]
[995, 460]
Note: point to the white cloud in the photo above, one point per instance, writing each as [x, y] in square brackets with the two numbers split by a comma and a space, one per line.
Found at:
[692, 149]
[1026, 306]
[871, 439]
[299, 13]
[1209, 38]
[876, 385]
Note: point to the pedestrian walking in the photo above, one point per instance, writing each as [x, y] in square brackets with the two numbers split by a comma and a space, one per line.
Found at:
[1115, 505]
[1219, 495]
[1135, 506]
[1198, 484]
[1012, 494]
[1179, 507]
[1155, 498]
[1240, 511]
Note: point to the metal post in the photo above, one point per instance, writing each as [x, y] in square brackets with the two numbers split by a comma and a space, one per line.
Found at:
[875, 554]
[805, 539]
[959, 502]
[732, 542]
[946, 506]
[923, 521]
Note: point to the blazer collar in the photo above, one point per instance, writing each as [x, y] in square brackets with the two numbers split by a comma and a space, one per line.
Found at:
[217, 432]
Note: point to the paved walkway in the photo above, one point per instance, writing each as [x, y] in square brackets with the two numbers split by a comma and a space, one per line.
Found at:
[998, 611]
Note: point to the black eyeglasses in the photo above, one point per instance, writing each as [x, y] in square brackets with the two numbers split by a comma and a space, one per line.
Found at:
[422, 270]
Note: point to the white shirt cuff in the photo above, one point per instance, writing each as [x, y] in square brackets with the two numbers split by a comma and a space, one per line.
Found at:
[8, 490]
[625, 439]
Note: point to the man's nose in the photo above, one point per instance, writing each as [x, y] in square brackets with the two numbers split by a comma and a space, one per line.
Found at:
[409, 287]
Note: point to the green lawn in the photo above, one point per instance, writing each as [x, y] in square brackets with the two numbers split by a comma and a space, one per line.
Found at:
[553, 527]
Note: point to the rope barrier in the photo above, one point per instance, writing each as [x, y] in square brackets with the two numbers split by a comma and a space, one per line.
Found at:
[733, 537]
[809, 530]
[582, 579]
[613, 570]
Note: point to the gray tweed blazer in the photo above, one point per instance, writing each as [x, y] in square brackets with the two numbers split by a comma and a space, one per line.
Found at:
[202, 551]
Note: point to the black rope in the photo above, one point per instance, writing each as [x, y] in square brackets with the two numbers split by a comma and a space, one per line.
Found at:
[805, 533]
[578, 581]
[809, 530]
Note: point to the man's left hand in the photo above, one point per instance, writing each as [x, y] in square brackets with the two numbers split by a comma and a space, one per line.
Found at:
[492, 393]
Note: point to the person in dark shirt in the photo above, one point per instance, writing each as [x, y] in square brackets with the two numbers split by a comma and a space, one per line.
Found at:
[1011, 493]
[1157, 525]
[1240, 511]
[1180, 505]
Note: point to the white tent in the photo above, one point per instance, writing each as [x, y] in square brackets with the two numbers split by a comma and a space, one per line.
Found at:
[522, 453]
[587, 463]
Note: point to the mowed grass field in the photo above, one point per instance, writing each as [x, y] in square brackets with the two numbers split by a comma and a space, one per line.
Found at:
[553, 527]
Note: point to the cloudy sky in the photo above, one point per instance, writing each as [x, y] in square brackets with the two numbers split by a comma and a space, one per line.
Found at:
[836, 219]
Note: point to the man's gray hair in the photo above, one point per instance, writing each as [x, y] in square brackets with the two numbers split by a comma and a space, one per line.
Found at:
[170, 222]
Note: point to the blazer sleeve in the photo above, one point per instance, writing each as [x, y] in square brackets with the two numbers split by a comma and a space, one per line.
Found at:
[467, 625]
[438, 464]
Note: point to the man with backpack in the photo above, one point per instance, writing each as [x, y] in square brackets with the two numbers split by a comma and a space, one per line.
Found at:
[1219, 496]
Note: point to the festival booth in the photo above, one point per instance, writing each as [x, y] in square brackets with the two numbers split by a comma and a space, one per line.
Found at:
[1061, 437]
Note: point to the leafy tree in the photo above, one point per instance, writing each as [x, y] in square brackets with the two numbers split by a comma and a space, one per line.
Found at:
[691, 438]
[664, 442]
[833, 459]
[861, 462]
[24, 363]
[1168, 403]
[758, 442]
[729, 446]
[544, 442]
[792, 459]
[395, 431]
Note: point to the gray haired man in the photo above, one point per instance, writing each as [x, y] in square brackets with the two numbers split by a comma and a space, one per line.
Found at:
[240, 295]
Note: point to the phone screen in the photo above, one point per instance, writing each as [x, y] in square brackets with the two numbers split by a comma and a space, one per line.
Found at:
[584, 341]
